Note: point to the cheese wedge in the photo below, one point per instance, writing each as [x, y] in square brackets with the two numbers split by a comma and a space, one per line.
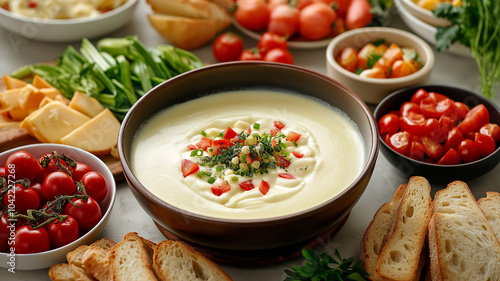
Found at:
[87, 105]
[40, 83]
[98, 135]
[13, 83]
[30, 98]
[54, 120]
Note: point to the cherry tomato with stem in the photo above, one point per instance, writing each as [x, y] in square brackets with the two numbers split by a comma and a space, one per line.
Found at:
[95, 185]
[269, 41]
[29, 240]
[22, 165]
[5, 229]
[86, 212]
[79, 170]
[358, 14]
[284, 20]
[23, 198]
[279, 55]
[252, 14]
[227, 47]
[250, 54]
[315, 21]
[388, 124]
[62, 233]
[58, 183]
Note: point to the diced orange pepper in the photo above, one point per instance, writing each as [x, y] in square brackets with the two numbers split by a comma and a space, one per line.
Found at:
[348, 58]
[401, 68]
[364, 54]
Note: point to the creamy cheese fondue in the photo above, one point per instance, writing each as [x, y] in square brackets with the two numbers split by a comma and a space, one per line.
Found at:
[327, 157]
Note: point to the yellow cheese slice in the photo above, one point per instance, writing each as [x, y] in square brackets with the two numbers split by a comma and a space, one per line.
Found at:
[85, 104]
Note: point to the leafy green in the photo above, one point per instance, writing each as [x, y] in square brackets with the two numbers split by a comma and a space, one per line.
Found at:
[317, 268]
[475, 24]
[381, 10]
[117, 72]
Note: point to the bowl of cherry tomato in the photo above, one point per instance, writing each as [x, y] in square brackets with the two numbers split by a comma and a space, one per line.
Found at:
[440, 132]
[375, 61]
[54, 198]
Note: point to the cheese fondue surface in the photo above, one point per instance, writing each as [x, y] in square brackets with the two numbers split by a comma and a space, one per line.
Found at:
[321, 163]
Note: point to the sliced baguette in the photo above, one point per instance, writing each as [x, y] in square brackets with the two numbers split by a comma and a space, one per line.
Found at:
[74, 259]
[96, 259]
[400, 259]
[462, 244]
[174, 260]
[61, 272]
[490, 205]
[129, 259]
[371, 244]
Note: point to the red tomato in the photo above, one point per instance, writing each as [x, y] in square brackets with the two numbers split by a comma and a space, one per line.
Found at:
[338, 27]
[414, 123]
[229, 133]
[417, 150]
[22, 165]
[250, 54]
[222, 187]
[5, 229]
[453, 139]
[247, 185]
[437, 97]
[432, 148]
[340, 6]
[95, 185]
[297, 154]
[301, 4]
[348, 59]
[485, 144]
[451, 157]
[204, 143]
[264, 187]
[278, 124]
[271, 4]
[468, 150]
[252, 14]
[462, 109]
[434, 109]
[218, 145]
[434, 130]
[284, 20]
[227, 47]
[400, 142]
[279, 55]
[23, 198]
[388, 124]
[28, 240]
[293, 136]
[58, 183]
[492, 130]
[419, 95]
[63, 233]
[86, 213]
[358, 14]
[80, 170]
[189, 167]
[286, 176]
[269, 41]
[282, 162]
[315, 21]
[475, 119]
[37, 187]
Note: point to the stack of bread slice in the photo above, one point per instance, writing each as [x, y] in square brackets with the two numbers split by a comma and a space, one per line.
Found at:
[136, 258]
[453, 237]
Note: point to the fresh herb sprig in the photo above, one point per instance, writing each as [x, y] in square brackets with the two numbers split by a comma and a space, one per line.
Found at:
[317, 268]
[474, 24]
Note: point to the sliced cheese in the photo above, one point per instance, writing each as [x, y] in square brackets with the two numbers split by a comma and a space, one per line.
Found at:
[55, 120]
[50, 92]
[40, 83]
[98, 136]
[85, 104]
[30, 98]
[13, 83]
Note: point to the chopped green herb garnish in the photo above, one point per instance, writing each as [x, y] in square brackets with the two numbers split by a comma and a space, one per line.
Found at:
[256, 126]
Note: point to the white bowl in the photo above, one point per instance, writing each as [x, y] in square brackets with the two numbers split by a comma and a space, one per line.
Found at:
[427, 31]
[55, 256]
[67, 30]
[373, 90]
[424, 14]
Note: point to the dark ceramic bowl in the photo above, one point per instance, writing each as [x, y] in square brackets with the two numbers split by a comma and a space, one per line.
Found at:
[441, 174]
[255, 234]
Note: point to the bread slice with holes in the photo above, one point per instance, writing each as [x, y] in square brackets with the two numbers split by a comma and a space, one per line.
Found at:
[400, 257]
[96, 259]
[462, 244]
[490, 205]
[371, 244]
[61, 272]
[174, 260]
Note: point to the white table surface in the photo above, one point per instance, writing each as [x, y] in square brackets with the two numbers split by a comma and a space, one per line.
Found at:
[128, 216]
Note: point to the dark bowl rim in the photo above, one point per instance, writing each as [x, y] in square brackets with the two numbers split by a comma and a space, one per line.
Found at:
[369, 162]
[412, 88]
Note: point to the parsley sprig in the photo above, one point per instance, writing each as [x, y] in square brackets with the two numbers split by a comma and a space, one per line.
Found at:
[317, 268]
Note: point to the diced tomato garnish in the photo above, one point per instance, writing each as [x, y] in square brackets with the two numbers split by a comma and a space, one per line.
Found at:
[468, 150]
[282, 162]
[279, 125]
[453, 139]
[492, 130]
[475, 119]
[220, 188]
[230, 133]
[189, 167]
[32, 4]
[433, 149]
[192, 147]
[286, 176]
[247, 185]
[204, 143]
[298, 154]
[462, 109]
[293, 136]
[409, 107]
[452, 157]
[274, 131]
[433, 129]
[416, 151]
[249, 130]
[431, 108]
[264, 187]
[219, 145]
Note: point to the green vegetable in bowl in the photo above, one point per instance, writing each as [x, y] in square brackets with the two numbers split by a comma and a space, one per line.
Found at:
[117, 72]
[476, 25]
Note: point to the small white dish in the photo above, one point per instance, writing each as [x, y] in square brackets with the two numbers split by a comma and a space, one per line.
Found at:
[424, 14]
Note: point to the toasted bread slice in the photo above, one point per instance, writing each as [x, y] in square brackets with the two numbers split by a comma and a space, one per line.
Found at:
[400, 259]
[371, 244]
[174, 260]
[96, 259]
[75, 261]
[61, 272]
[129, 259]
[491, 209]
[462, 244]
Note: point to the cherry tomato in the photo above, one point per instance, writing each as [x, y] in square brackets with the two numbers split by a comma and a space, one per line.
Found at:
[451, 157]
[315, 21]
[414, 123]
[271, 4]
[417, 150]
[485, 144]
[51, 167]
[58, 183]
[409, 107]
[468, 150]
[284, 20]
[432, 148]
[348, 59]
[269, 41]
[95, 185]
[86, 213]
[492, 130]
[400, 142]
[22, 165]
[301, 4]
[3, 172]
[340, 6]
[475, 119]
[227, 47]
[252, 14]
[453, 139]
[5, 229]
[279, 55]
[462, 109]
[419, 95]
[434, 130]
[434, 109]
[37, 187]
[250, 54]
[79, 170]
[63, 233]
[358, 14]
[388, 124]
[23, 198]
[28, 240]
